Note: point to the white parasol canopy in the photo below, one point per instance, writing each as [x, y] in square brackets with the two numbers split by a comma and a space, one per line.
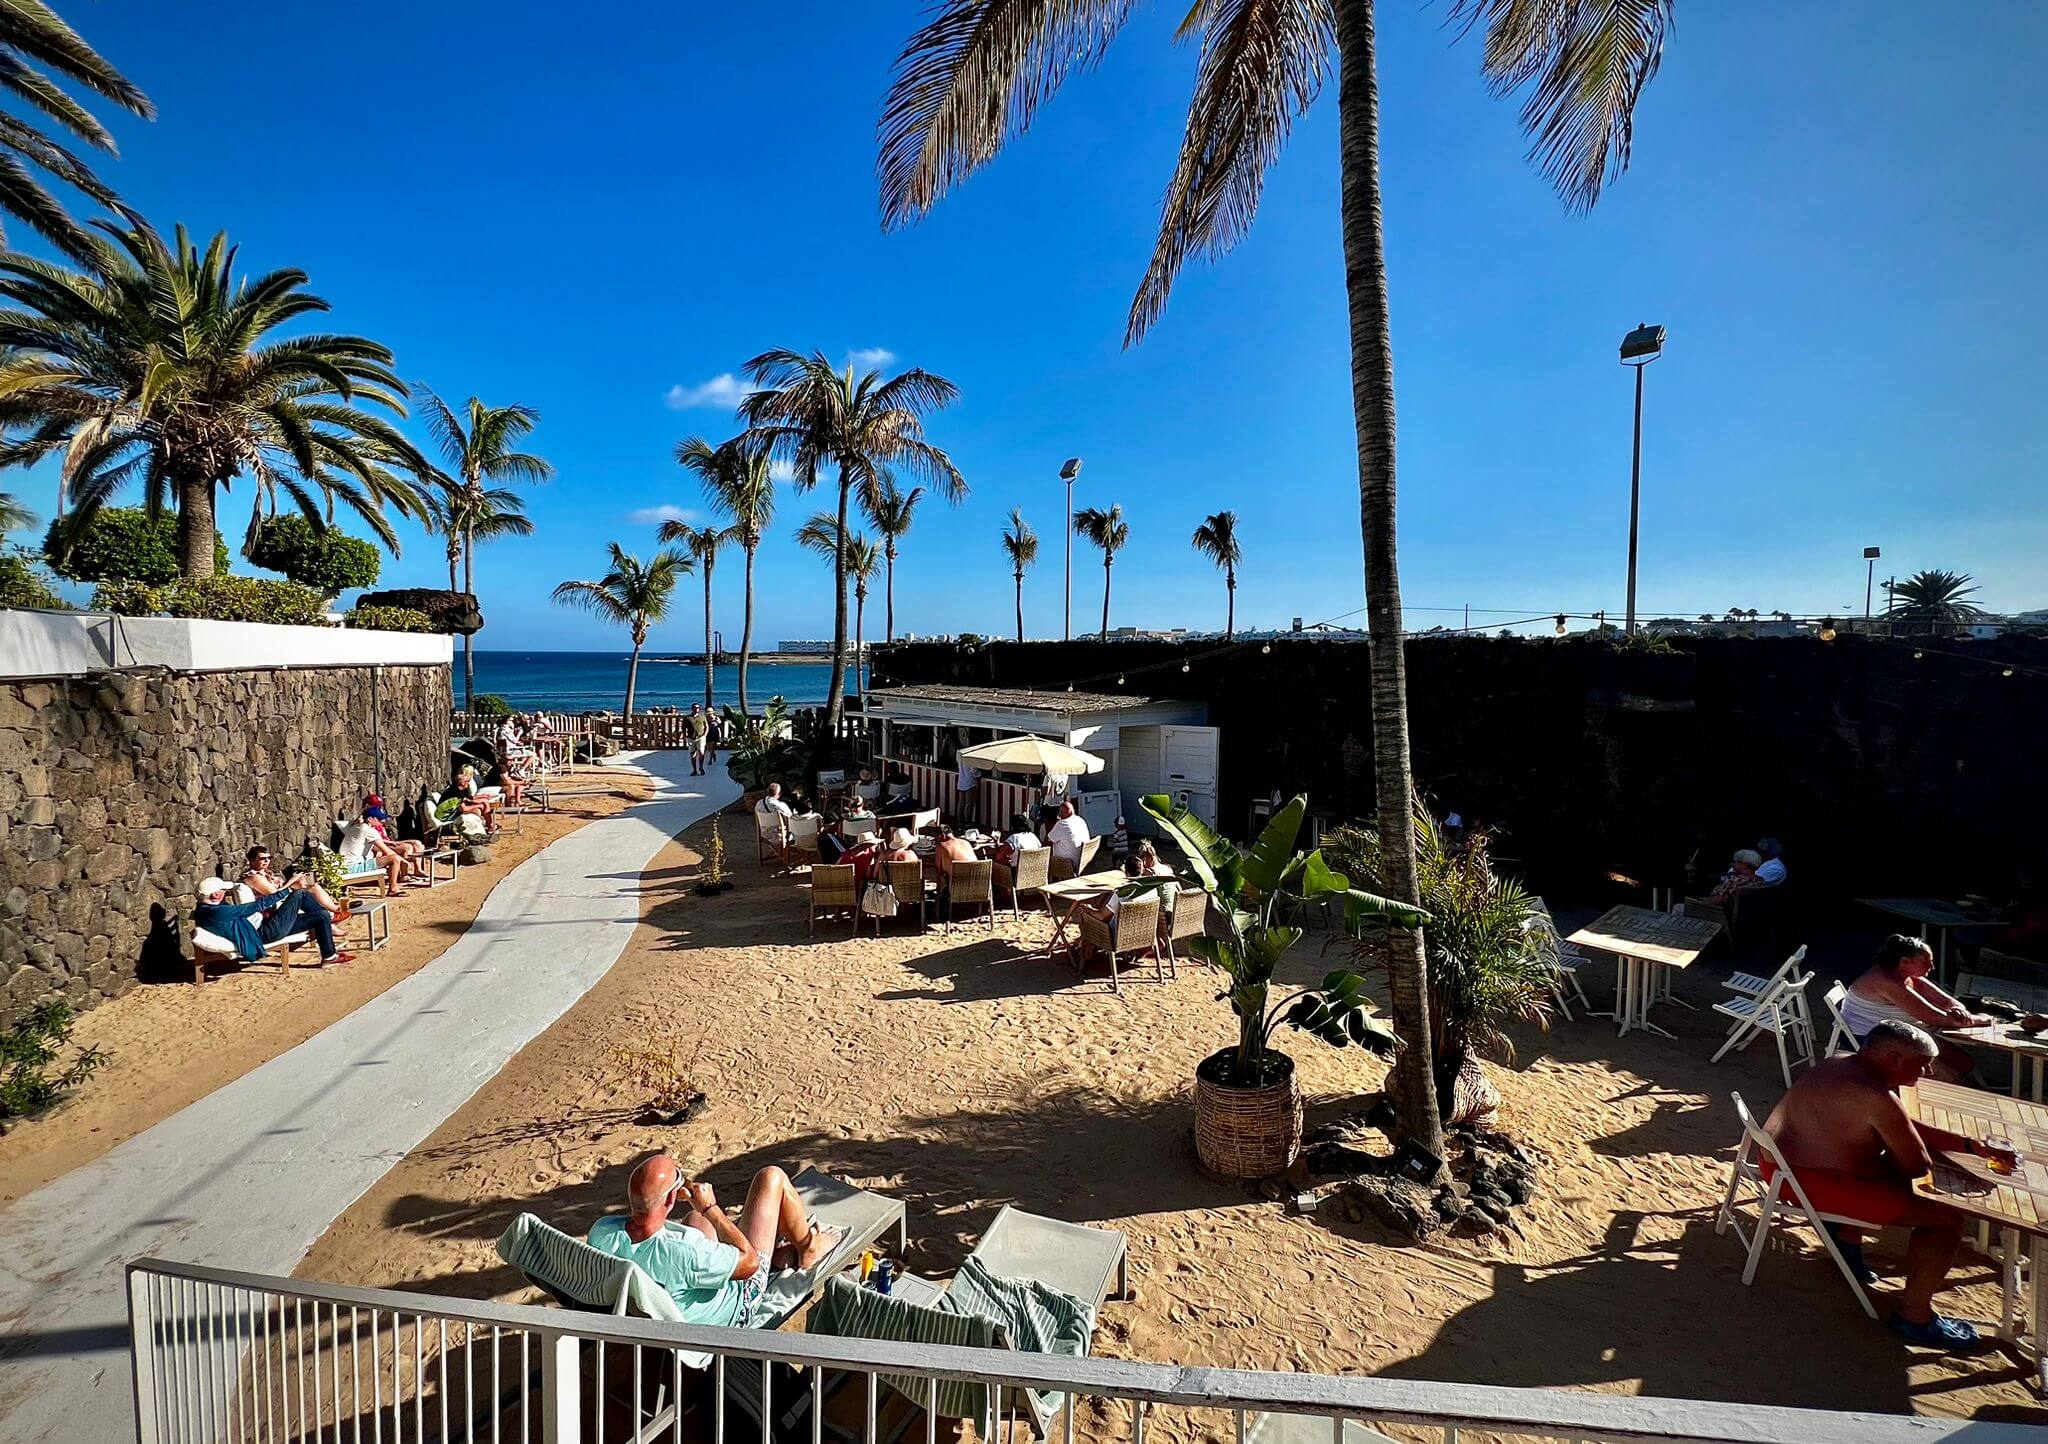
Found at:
[1031, 754]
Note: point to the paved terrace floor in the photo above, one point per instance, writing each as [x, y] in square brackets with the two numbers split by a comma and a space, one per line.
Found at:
[250, 1176]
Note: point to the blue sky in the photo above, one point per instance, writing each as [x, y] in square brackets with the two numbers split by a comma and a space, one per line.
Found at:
[1834, 207]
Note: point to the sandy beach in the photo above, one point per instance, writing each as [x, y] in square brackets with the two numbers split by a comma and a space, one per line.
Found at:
[960, 1074]
[171, 1043]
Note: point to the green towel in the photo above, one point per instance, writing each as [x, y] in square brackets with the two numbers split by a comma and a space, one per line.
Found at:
[849, 1311]
[1036, 1317]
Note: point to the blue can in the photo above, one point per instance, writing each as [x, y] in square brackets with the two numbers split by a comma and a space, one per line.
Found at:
[883, 1272]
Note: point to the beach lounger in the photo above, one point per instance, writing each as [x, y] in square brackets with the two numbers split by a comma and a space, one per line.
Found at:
[1308, 1429]
[1074, 1263]
[213, 948]
[1780, 1200]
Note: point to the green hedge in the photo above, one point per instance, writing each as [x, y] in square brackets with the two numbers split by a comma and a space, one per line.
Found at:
[22, 584]
[123, 544]
[219, 599]
[389, 619]
[490, 704]
[330, 562]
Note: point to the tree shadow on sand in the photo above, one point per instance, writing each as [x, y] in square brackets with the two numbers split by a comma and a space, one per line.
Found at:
[954, 1171]
[1670, 1318]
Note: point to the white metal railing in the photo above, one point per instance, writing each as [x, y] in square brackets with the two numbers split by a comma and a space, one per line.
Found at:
[234, 1358]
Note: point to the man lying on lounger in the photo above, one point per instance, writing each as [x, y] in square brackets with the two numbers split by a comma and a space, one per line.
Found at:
[1856, 1153]
[251, 926]
[716, 1271]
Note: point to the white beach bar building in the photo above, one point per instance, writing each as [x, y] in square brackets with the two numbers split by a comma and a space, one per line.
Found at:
[1147, 745]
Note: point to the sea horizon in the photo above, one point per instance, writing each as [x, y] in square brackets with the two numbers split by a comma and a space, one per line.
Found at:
[567, 680]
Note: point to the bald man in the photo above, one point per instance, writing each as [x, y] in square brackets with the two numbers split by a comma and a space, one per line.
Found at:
[715, 1269]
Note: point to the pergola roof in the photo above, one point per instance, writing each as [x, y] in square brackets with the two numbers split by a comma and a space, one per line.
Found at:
[1058, 701]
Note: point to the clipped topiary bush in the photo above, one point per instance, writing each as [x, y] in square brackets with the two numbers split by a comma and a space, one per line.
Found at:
[328, 561]
[490, 704]
[22, 584]
[123, 544]
[247, 599]
[388, 619]
[128, 599]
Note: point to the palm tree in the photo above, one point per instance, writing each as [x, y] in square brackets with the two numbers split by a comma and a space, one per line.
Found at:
[477, 446]
[737, 484]
[156, 365]
[862, 557]
[32, 36]
[891, 515]
[701, 543]
[1216, 539]
[13, 515]
[1020, 544]
[1108, 530]
[978, 70]
[634, 594]
[1933, 601]
[813, 416]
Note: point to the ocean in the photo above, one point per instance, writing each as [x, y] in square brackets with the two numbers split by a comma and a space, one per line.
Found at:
[582, 681]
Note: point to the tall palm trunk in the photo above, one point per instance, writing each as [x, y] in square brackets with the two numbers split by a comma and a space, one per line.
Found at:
[1020, 604]
[1105, 595]
[454, 557]
[889, 592]
[747, 628]
[1230, 603]
[633, 667]
[468, 638]
[1372, 402]
[195, 528]
[708, 656]
[835, 704]
[860, 611]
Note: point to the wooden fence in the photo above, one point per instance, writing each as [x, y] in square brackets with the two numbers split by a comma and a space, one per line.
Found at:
[991, 804]
[642, 732]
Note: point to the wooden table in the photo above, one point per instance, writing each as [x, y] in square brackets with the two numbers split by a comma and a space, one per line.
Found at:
[2015, 1204]
[1065, 898]
[1932, 912]
[1643, 941]
[2007, 1038]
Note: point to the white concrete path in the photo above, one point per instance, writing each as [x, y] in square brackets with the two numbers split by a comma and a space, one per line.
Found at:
[249, 1177]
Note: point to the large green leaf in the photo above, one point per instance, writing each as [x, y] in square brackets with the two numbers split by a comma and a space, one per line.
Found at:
[1266, 864]
[1319, 879]
[1361, 907]
[1209, 854]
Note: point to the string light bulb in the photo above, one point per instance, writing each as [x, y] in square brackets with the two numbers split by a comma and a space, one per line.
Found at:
[1184, 666]
[1119, 679]
[2006, 673]
[1827, 629]
[1070, 686]
[1266, 650]
[1560, 624]
[1918, 655]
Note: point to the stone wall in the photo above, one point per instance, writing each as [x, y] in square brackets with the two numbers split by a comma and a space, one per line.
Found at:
[1888, 767]
[118, 794]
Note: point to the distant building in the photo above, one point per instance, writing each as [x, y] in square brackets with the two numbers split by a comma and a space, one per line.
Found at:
[806, 648]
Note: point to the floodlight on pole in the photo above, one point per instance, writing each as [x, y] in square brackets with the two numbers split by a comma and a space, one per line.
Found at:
[1870, 556]
[1638, 349]
[1069, 469]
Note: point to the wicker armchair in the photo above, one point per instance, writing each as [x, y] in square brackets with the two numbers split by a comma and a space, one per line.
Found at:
[1187, 918]
[907, 880]
[832, 891]
[971, 886]
[1136, 932]
[1031, 872]
[1061, 870]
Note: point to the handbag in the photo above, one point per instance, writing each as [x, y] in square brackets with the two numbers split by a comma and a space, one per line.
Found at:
[879, 901]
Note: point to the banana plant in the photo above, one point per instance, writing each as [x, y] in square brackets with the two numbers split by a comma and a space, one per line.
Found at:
[1253, 891]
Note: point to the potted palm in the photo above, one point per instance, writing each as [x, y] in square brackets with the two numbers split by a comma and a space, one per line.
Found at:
[1247, 1098]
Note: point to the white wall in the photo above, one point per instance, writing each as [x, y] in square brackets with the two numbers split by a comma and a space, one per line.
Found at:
[72, 644]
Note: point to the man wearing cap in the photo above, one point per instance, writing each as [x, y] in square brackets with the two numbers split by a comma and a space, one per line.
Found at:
[253, 924]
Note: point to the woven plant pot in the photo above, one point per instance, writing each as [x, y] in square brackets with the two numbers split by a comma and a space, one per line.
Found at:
[1246, 1132]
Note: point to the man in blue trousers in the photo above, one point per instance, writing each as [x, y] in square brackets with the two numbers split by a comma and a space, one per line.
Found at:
[251, 925]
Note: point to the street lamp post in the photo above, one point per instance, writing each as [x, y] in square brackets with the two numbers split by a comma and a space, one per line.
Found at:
[1870, 556]
[1638, 349]
[1070, 469]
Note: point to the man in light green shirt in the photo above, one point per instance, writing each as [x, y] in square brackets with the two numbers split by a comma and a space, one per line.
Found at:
[715, 1270]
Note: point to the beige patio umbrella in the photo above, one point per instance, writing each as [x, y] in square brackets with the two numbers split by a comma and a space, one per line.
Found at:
[1030, 754]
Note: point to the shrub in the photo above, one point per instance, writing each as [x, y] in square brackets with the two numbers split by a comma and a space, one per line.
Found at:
[327, 869]
[128, 599]
[490, 704]
[389, 619]
[247, 599]
[28, 1049]
[328, 561]
[122, 544]
[22, 584]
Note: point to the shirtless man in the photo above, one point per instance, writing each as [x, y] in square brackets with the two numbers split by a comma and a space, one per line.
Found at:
[1856, 1154]
[950, 849]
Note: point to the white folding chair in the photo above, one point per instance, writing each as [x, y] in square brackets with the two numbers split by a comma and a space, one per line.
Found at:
[1843, 1038]
[1751, 985]
[1565, 984]
[1781, 1012]
[1781, 1198]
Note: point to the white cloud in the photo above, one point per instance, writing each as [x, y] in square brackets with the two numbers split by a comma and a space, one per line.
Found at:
[656, 515]
[723, 391]
[780, 470]
[870, 358]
